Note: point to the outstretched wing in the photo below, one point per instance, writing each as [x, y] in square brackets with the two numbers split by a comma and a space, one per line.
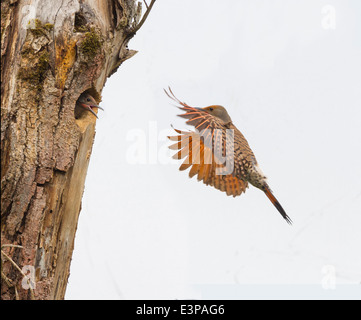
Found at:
[214, 134]
[209, 151]
[206, 124]
[203, 163]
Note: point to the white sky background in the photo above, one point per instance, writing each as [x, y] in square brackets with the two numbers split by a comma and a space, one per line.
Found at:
[147, 231]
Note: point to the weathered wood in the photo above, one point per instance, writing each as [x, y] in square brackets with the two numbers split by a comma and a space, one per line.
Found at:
[52, 51]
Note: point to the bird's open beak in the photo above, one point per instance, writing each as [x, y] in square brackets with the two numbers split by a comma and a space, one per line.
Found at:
[95, 106]
[90, 106]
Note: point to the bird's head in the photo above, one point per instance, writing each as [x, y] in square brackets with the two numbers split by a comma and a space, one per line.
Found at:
[219, 112]
[88, 102]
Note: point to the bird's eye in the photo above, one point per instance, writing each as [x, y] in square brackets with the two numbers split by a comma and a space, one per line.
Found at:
[210, 109]
[88, 99]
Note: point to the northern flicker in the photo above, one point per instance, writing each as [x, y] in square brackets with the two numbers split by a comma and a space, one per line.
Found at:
[87, 102]
[218, 153]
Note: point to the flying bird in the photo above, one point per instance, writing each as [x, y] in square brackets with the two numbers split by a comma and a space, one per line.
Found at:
[87, 102]
[218, 153]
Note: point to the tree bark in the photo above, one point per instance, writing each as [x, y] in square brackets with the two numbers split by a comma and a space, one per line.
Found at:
[51, 52]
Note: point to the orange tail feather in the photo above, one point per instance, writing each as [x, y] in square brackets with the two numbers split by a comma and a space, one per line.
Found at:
[275, 202]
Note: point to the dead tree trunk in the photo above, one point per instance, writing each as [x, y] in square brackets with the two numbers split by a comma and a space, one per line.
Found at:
[51, 52]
